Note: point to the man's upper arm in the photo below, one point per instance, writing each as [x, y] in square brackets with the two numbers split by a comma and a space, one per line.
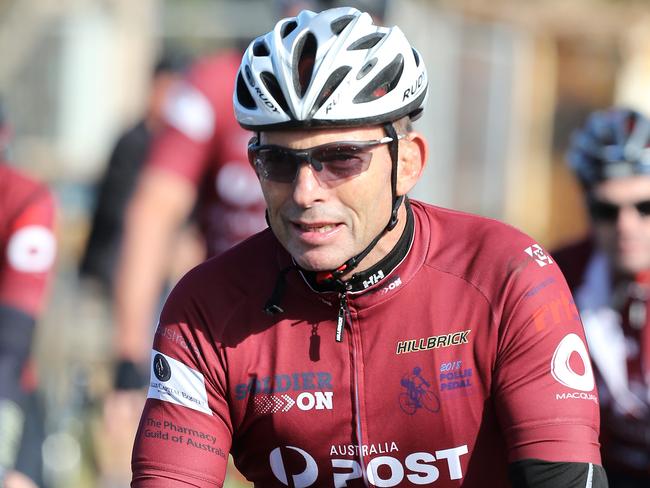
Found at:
[185, 432]
[29, 253]
[545, 394]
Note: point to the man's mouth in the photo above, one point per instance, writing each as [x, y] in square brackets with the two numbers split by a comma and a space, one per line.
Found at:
[316, 228]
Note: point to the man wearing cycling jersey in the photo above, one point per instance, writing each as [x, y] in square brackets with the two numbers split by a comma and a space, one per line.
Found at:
[609, 274]
[27, 252]
[291, 351]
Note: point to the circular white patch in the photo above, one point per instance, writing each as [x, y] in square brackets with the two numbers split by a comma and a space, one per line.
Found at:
[31, 249]
[238, 185]
[561, 369]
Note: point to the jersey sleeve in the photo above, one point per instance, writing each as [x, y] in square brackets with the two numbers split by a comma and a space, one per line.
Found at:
[29, 254]
[185, 143]
[544, 387]
[185, 432]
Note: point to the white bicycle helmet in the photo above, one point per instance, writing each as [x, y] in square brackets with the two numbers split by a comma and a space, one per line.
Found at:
[334, 68]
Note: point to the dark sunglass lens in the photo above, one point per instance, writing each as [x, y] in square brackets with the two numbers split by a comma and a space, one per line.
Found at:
[277, 165]
[603, 211]
[643, 208]
[342, 161]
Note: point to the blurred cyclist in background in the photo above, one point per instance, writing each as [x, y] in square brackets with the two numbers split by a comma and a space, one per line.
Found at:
[27, 255]
[198, 166]
[609, 274]
[119, 179]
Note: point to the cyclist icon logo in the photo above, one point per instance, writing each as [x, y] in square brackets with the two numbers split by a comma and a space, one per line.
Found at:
[419, 393]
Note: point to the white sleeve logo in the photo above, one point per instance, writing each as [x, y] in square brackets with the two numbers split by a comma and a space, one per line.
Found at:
[537, 253]
[561, 369]
[189, 111]
[174, 382]
[31, 249]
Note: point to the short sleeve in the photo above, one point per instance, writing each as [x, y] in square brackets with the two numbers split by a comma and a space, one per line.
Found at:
[544, 387]
[29, 253]
[185, 433]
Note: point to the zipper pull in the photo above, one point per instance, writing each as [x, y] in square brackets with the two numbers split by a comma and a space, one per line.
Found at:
[340, 320]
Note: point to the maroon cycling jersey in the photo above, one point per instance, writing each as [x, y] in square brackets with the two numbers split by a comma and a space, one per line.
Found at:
[467, 356]
[204, 143]
[27, 242]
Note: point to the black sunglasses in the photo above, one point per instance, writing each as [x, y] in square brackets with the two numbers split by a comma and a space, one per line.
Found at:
[333, 161]
[608, 212]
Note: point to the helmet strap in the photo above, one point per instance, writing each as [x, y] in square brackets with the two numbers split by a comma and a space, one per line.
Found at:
[393, 150]
[350, 264]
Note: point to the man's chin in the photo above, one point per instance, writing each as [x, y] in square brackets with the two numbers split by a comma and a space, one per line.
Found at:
[631, 266]
[317, 263]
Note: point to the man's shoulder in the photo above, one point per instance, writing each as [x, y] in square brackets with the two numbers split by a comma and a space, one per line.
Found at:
[481, 251]
[241, 268]
[18, 188]
[468, 232]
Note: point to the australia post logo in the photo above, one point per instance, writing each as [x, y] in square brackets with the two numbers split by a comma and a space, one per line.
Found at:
[387, 467]
[282, 393]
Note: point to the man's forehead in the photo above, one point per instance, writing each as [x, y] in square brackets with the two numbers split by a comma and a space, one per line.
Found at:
[314, 137]
[623, 190]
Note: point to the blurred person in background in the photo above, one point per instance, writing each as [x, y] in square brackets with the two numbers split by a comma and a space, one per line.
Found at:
[365, 339]
[116, 186]
[101, 254]
[609, 274]
[198, 168]
[27, 255]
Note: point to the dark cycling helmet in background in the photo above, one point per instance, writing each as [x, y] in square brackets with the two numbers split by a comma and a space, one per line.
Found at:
[613, 143]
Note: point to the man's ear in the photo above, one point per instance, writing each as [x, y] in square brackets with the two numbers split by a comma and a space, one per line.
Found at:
[413, 153]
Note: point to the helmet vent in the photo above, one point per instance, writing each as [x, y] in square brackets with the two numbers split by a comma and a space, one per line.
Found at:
[261, 49]
[329, 87]
[416, 56]
[385, 81]
[341, 23]
[288, 28]
[366, 42]
[304, 56]
[366, 68]
[272, 85]
[243, 94]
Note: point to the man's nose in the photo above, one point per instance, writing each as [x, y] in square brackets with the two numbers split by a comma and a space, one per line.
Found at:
[628, 217]
[306, 187]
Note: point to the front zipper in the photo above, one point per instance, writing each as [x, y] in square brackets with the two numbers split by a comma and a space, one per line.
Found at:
[341, 319]
[354, 344]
